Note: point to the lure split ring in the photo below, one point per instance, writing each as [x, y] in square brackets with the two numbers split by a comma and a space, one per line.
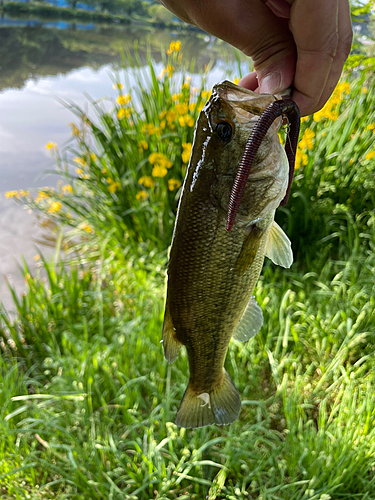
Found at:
[287, 108]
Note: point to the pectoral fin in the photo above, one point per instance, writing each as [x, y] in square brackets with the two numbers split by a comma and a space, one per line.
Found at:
[279, 248]
[250, 322]
[170, 343]
[249, 249]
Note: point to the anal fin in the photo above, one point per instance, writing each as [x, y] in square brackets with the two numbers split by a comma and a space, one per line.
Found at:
[170, 343]
[250, 323]
[221, 406]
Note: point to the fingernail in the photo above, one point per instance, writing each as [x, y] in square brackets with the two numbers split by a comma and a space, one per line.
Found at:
[271, 83]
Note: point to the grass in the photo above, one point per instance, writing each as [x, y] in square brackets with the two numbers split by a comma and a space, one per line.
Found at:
[87, 400]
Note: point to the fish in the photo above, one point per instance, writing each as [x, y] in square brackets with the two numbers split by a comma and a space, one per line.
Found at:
[212, 271]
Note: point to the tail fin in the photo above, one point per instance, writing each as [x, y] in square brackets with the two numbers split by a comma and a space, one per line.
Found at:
[222, 406]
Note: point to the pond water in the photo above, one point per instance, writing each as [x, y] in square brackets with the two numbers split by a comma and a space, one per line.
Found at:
[42, 65]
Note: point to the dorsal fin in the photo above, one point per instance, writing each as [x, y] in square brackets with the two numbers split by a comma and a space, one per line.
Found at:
[250, 322]
[279, 248]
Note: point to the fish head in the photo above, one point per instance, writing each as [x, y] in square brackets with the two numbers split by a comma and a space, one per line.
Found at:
[222, 132]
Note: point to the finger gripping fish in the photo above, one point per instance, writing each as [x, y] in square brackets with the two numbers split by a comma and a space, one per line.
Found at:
[212, 272]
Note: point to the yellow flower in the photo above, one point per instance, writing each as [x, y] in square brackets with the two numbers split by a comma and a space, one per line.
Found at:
[75, 130]
[173, 184]
[141, 195]
[181, 121]
[206, 94]
[159, 171]
[192, 106]
[149, 128]
[54, 207]
[189, 120]
[162, 124]
[159, 160]
[301, 159]
[364, 90]
[175, 98]
[12, 194]
[118, 86]
[41, 196]
[93, 157]
[147, 181]
[236, 80]
[174, 46]
[371, 126]
[124, 112]
[182, 109]
[186, 146]
[67, 189]
[80, 161]
[307, 139]
[36, 257]
[142, 145]
[122, 100]
[177, 46]
[113, 186]
[370, 155]
[86, 227]
[79, 171]
[171, 116]
[23, 193]
[51, 145]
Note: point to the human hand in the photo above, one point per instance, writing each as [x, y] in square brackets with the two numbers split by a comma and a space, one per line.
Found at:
[291, 42]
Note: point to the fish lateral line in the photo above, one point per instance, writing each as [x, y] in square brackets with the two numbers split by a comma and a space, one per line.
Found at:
[287, 108]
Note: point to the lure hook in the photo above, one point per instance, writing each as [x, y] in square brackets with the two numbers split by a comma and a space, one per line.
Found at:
[287, 108]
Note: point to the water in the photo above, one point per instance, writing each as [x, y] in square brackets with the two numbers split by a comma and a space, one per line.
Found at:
[40, 64]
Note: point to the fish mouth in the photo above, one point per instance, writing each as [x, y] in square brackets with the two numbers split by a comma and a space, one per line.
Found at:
[243, 101]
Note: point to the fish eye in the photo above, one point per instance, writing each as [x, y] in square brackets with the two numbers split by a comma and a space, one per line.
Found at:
[224, 131]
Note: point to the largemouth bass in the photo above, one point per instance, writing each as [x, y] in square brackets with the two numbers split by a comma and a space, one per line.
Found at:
[212, 272]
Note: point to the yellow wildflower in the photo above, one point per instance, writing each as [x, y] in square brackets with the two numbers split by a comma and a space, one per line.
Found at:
[206, 94]
[149, 128]
[371, 126]
[173, 184]
[163, 124]
[181, 121]
[75, 130]
[142, 145]
[147, 181]
[118, 86]
[364, 90]
[41, 196]
[23, 193]
[189, 120]
[114, 186]
[186, 146]
[79, 171]
[67, 189]
[51, 145]
[177, 46]
[171, 116]
[181, 109]
[86, 227]
[307, 139]
[159, 171]
[141, 195]
[351, 161]
[123, 112]
[36, 257]
[175, 98]
[122, 100]
[236, 81]
[93, 157]
[80, 161]
[192, 106]
[174, 47]
[12, 194]
[370, 155]
[301, 159]
[54, 207]
[162, 114]
[159, 160]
